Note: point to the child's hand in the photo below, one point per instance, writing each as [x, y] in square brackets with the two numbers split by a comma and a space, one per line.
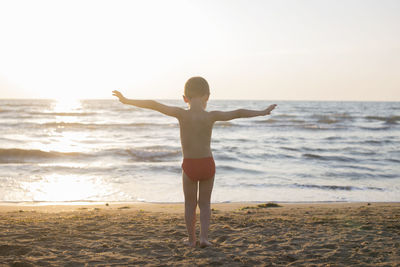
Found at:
[269, 109]
[120, 96]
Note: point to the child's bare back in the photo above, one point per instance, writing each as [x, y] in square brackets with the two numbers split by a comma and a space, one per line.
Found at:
[198, 167]
[195, 130]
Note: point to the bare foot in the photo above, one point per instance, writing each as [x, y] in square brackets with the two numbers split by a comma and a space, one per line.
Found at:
[205, 243]
[190, 244]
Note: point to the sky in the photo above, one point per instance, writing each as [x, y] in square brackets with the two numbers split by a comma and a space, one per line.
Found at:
[249, 49]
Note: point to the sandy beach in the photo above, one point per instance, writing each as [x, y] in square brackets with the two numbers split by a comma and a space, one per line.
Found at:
[334, 234]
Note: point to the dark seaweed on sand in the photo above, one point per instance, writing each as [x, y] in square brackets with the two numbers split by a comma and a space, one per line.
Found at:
[261, 206]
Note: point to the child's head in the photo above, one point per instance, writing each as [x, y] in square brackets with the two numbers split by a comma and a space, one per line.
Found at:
[196, 87]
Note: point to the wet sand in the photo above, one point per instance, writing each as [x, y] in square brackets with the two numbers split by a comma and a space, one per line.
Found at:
[334, 234]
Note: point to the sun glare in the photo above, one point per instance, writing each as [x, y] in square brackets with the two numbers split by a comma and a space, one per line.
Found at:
[66, 104]
[62, 140]
[64, 188]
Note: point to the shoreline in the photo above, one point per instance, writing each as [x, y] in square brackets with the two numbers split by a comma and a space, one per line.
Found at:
[165, 206]
[56, 207]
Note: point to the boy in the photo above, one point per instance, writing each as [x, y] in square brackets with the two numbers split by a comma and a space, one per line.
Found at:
[198, 168]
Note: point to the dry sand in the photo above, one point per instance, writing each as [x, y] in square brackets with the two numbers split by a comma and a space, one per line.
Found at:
[339, 234]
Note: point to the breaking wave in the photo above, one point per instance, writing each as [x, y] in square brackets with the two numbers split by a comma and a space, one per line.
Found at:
[17, 155]
[312, 186]
[103, 125]
[389, 119]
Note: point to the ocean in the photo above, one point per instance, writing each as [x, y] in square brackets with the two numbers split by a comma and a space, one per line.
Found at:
[104, 151]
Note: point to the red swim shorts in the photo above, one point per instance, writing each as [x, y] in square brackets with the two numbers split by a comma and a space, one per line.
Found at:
[199, 169]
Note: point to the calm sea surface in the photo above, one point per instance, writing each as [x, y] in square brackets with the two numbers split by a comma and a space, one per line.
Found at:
[101, 150]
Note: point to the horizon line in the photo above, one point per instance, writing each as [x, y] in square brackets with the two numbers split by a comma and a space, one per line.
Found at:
[217, 99]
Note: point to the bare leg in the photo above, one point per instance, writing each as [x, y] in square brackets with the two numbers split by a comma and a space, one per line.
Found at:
[190, 192]
[205, 189]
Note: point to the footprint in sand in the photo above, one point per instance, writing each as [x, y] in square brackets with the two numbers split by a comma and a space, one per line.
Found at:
[221, 239]
[7, 250]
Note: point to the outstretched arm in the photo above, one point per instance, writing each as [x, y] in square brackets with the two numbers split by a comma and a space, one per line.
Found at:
[240, 113]
[149, 104]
